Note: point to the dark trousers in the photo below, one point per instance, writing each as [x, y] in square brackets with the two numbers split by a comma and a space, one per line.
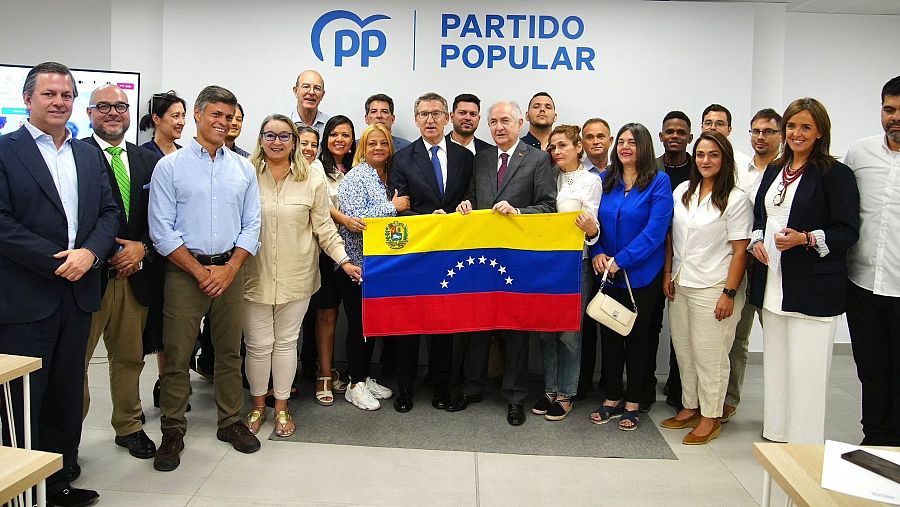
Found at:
[875, 337]
[515, 373]
[60, 340]
[619, 352]
[359, 350]
[309, 354]
[589, 334]
[673, 382]
[653, 348]
[406, 350]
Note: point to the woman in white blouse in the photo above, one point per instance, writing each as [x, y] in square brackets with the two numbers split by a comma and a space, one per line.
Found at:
[284, 274]
[576, 190]
[705, 262]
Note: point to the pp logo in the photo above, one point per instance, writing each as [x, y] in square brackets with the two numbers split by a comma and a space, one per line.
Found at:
[347, 43]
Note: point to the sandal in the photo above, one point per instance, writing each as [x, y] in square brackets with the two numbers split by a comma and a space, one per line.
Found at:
[255, 418]
[559, 409]
[324, 396]
[284, 424]
[630, 416]
[607, 412]
[337, 385]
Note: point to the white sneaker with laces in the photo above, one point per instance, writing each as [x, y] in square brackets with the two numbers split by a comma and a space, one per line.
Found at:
[360, 396]
[378, 391]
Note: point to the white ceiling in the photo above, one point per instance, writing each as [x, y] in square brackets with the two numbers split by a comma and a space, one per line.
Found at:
[834, 6]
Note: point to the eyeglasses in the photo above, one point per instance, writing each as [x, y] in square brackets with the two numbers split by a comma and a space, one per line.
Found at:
[763, 132]
[283, 137]
[306, 87]
[780, 192]
[106, 107]
[718, 124]
[424, 115]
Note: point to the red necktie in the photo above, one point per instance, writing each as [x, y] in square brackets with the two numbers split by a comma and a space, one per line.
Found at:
[504, 158]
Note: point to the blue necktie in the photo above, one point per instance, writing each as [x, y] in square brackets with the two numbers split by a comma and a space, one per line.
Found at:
[435, 161]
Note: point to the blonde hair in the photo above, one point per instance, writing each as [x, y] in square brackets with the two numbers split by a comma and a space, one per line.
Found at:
[298, 161]
[364, 138]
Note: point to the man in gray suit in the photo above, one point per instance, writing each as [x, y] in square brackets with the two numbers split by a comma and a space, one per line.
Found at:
[509, 178]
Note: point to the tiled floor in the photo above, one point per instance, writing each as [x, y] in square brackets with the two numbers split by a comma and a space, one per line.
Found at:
[285, 473]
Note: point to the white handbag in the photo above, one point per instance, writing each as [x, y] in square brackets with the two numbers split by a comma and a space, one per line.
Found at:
[610, 312]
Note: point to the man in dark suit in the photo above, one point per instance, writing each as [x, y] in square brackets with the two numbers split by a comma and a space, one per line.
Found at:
[129, 281]
[510, 178]
[58, 221]
[465, 117]
[435, 174]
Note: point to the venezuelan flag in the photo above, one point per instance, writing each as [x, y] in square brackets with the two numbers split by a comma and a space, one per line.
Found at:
[436, 274]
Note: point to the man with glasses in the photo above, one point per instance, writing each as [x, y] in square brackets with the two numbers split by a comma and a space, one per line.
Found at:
[205, 219]
[130, 278]
[765, 137]
[435, 174]
[717, 117]
[309, 91]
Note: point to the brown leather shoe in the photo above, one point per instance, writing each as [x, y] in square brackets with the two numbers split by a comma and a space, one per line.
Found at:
[692, 439]
[168, 455]
[677, 424]
[727, 412]
[239, 436]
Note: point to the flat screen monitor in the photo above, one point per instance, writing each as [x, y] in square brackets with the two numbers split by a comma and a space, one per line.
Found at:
[13, 112]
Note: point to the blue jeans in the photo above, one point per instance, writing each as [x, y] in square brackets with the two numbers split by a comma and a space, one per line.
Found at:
[561, 351]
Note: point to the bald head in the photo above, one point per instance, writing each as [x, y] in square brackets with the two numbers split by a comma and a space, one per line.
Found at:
[112, 124]
[309, 90]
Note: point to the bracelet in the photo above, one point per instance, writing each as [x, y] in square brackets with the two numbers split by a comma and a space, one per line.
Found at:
[807, 239]
[231, 266]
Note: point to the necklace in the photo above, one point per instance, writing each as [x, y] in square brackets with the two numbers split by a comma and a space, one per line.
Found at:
[787, 177]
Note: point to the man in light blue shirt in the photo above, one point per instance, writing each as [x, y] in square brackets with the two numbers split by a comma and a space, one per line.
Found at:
[205, 219]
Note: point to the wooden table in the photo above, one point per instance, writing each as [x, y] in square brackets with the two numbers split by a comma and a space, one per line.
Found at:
[23, 468]
[11, 368]
[798, 471]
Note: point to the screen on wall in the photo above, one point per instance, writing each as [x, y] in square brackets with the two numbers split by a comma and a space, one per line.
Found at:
[13, 112]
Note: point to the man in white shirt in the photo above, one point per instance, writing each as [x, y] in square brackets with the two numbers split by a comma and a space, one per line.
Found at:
[873, 296]
[309, 89]
[766, 138]
[717, 117]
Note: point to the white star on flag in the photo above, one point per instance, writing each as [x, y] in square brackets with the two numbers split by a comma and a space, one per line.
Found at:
[502, 270]
[450, 273]
[509, 281]
[470, 260]
[482, 259]
[444, 284]
[459, 265]
[493, 262]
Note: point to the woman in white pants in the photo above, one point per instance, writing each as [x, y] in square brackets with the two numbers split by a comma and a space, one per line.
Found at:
[284, 274]
[705, 262]
[806, 217]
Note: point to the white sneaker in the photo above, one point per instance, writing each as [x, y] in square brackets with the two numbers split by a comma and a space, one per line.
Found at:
[378, 391]
[360, 396]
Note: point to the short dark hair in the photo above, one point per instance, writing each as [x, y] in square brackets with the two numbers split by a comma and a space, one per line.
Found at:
[466, 97]
[238, 106]
[767, 114]
[380, 97]
[47, 68]
[541, 94]
[214, 94]
[892, 88]
[158, 104]
[678, 115]
[717, 108]
[429, 96]
[596, 120]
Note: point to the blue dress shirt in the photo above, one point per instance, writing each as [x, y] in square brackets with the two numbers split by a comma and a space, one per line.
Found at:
[209, 206]
[61, 163]
[633, 229]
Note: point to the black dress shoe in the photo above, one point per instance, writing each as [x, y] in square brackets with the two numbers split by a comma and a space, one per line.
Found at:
[441, 397]
[73, 497]
[168, 456]
[516, 414]
[139, 444]
[462, 401]
[239, 436]
[404, 402]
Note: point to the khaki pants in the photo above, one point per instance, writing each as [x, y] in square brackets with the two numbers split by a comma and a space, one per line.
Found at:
[185, 304]
[121, 321]
[738, 354]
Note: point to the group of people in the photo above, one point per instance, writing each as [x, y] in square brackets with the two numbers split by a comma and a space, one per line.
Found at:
[140, 244]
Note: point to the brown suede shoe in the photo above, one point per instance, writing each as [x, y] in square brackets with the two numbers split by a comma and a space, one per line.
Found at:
[727, 412]
[692, 439]
[168, 455]
[239, 436]
[676, 424]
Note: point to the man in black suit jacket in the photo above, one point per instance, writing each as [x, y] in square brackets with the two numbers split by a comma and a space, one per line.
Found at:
[465, 118]
[510, 178]
[128, 281]
[435, 174]
[58, 221]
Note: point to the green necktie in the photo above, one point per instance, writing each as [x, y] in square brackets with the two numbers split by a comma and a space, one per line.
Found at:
[121, 174]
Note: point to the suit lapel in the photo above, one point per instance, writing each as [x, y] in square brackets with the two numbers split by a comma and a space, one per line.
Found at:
[514, 161]
[803, 196]
[30, 155]
[82, 156]
[113, 184]
[491, 170]
[423, 161]
[452, 172]
[136, 170]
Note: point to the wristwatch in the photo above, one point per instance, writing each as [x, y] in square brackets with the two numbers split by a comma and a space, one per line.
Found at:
[730, 292]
